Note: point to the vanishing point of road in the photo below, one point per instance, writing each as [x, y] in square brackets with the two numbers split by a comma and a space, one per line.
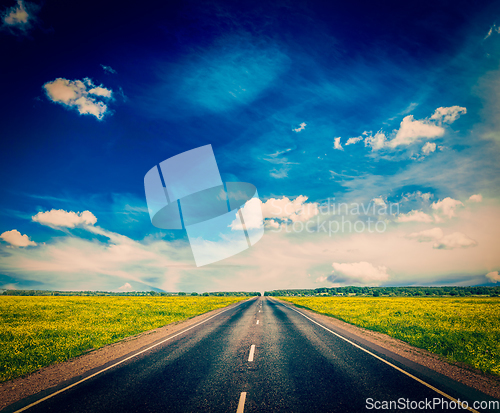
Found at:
[258, 356]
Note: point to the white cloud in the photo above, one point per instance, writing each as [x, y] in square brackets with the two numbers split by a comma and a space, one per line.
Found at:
[252, 215]
[125, 287]
[352, 141]
[279, 260]
[108, 69]
[428, 148]
[441, 241]
[20, 17]
[414, 216]
[301, 127]
[271, 223]
[337, 144]
[359, 273]
[285, 209]
[100, 91]
[59, 218]
[493, 276]
[455, 240]
[428, 235]
[321, 279]
[80, 95]
[379, 201]
[447, 206]
[448, 115]
[376, 142]
[412, 130]
[476, 198]
[15, 238]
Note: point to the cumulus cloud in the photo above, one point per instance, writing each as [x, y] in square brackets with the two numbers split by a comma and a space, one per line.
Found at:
[428, 235]
[337, 144]
[352, 141]
[57, 218]
[493, 276]
[412, 130]
[376, 142]
[15, 238]
[252, 215]
[301, 127]
[19, 17]
[447, 206]
[414, 216]
[476, 198]
[448, 115]
[285, 209]
[362, 272]
[81, 95]
[455, 240]
[321, 279]
[428, 148]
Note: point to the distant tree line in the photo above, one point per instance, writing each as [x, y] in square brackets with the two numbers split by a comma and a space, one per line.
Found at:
[390, 291]
[127, 294]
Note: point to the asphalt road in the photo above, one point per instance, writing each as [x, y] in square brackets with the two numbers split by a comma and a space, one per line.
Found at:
[259, 356]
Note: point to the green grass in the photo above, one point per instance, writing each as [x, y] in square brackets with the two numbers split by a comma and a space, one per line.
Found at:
[465, 330]
[38, 331]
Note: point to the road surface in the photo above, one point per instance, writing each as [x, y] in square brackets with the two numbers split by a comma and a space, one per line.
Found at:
[259, 356]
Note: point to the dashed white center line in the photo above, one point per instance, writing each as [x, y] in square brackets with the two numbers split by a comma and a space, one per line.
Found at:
[252, 350]
[241, 404]
[257, 322]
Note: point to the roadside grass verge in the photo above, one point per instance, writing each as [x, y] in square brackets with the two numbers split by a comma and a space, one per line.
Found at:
[464, 330]
[39, 331]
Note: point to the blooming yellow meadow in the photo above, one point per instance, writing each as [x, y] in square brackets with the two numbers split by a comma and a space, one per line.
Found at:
[38, 331]
[463, 330]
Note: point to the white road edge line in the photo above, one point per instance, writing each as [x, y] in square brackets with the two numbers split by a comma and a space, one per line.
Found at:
[380, 358]
[252, 351]
[241, 404]
[120, 362]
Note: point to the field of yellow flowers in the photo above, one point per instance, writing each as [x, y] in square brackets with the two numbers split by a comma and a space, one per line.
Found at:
[38, 331]
[465, 330]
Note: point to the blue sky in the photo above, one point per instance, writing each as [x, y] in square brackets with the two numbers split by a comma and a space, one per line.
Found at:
[362, 103]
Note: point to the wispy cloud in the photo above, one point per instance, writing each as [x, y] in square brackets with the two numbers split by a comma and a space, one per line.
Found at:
[493, 29]
[108, 69]
[301, 127]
